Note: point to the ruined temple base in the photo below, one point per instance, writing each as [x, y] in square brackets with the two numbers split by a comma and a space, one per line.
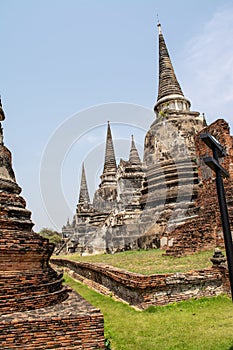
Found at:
[142, 291]
[72, 324]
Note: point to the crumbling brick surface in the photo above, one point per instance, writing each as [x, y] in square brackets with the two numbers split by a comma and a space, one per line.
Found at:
[142, 291]
[205, 230]
[72, 324]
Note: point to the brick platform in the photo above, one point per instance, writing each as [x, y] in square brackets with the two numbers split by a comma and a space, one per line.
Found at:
[73, 324]
[142, 291]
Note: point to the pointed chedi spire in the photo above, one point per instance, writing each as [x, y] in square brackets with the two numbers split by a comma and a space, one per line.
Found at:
[68, 223]
[104, 199]
[168, 83]
[84, 206]
[83, 194]
[133, 155]
[170, 94]
[110, 160]
[108, 176]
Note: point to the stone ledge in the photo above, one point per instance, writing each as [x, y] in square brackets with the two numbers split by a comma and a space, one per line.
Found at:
[142, 291]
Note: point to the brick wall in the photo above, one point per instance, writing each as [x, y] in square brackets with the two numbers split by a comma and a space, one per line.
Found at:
[205, 230]
[142, 291]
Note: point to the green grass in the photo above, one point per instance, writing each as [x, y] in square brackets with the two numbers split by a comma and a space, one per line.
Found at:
[149, 262]
[205, 324]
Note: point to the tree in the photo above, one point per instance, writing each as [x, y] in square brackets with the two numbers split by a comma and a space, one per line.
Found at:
[51, 235]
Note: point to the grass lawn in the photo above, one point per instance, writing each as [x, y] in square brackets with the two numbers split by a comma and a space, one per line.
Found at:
[149, 262]
[205, 324]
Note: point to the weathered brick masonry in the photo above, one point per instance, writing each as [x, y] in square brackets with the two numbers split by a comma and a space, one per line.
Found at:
[73, 324]
[142, 291]
[205, 230]
[37, 311]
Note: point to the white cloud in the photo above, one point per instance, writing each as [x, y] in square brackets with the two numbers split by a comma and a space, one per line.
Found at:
[209, 59]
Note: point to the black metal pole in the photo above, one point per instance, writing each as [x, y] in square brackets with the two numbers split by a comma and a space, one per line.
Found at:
[225, 221]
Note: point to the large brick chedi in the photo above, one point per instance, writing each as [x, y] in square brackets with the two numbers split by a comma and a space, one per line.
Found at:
[168, 200]
[30, 290]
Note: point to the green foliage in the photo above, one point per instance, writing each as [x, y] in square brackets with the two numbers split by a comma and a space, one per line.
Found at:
[149, 262]
[162, 115]
[204, 324]
[51, 235]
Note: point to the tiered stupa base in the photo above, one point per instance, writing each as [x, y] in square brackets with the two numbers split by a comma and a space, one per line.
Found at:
[37, 311]
[72, 324]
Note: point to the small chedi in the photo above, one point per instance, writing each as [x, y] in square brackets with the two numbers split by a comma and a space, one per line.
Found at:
[168, 200]
[37, 311]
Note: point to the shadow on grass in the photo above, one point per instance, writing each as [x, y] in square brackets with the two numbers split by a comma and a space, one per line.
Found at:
[231, 348]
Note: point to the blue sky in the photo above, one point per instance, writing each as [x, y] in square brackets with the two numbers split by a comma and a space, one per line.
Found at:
[61, 57]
